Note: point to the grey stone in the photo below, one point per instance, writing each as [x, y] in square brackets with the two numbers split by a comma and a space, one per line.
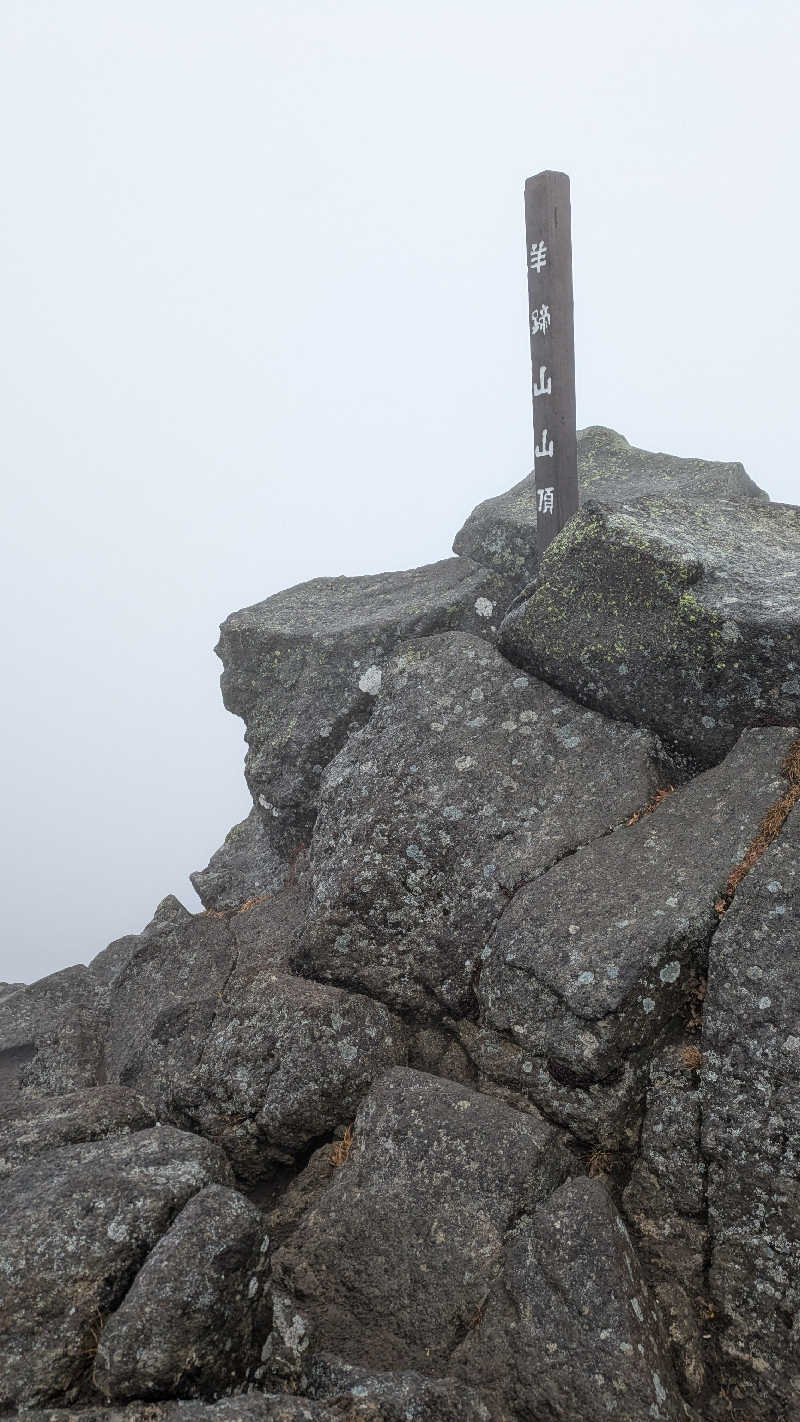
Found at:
[283, 1065]
[751, 1132]
[590, 962]
[469, 781]
[245, 866]
[397, 1397]
[389, 1267]
[51, 1035]
[569, 1330]
[193, 1322]
[680, 617]
[37, 1124]
[109, 962]
[77, 1223]
[252, 1407]
[665, 1202]
[501, 532]
[302, 669]
[162, 1003]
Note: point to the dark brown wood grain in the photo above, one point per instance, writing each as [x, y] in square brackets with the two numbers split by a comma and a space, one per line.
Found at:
[548, 249]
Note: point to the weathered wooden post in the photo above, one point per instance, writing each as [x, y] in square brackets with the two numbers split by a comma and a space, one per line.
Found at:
[549, 259]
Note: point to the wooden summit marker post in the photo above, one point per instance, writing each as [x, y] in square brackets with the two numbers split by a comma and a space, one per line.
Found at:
[548, 243]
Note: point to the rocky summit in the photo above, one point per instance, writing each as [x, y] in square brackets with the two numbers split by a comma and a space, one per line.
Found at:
[472, 1093]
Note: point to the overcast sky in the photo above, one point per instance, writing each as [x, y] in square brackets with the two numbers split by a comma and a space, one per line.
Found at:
[262, 284]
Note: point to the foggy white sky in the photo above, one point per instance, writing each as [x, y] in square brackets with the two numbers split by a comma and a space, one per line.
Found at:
[263, 304]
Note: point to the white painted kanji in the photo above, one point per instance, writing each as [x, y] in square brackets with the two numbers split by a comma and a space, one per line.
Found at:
[546, 500]
[538, 256]
[540, 319]
[542, 388]
[546, 451]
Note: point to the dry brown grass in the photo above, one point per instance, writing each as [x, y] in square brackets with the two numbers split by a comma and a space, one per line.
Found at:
[251, 903]
[341, 1151]
[601, 1162]
[658, 799]
[691, 1057]
[770, 827]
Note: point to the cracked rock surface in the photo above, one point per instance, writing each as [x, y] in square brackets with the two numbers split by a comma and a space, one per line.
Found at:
[472, 1094]
[681, 617]
[469, 781]
[302, 669]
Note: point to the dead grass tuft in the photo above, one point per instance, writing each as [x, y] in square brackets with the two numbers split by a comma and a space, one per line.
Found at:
[341, 1151]
[658, 799]
[770, 827]
[601, 1162]
[251, 903]
[691, 1057]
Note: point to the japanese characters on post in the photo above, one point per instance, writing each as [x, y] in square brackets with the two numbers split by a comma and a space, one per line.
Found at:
[550, 304]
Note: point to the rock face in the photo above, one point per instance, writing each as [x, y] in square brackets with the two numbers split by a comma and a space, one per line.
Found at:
[501, 532]
[469, 781]
[569, 1329]
[682, 618]
[303, 669]
[589, 964]
[395, 1262]
[77, 1224]
[194, 1319]
[751, 1132]
[473, 1094]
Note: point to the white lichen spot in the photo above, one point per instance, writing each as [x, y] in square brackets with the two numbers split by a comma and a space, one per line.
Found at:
[648, 1005]
[574, 928]
[661, 1395]
[626, 1348]
[520, 682]
[370, 682]
[452, 812]
[791, 1044]
[637, 1308]
[508, 726]
[489, 870]
[476, 694]
[764, 1003]
[342, 944]
[584, 979]
[774, 886]
[528, 717]
[117, 1231]
[464, 762]
[672, 901]
[252, 1287]
[755, 972]
[414, 852]
[670, 972]
[730, 632]
[268, 806]
[527, 1067]
[708, 722]
[484, 607]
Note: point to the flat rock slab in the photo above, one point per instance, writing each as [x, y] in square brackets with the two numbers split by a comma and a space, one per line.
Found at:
[665, 1201]
[569, 1330]
[302, 669]
[38, 1124]
[590, 962]
[751, 1129]
[398, 1397]
[51, 1035]
[388, 1269]
[194, 1320]
[501, 532]
[681, 617]
[469, 780]
[76, 1224]
[283, 1065]
[251, 1407]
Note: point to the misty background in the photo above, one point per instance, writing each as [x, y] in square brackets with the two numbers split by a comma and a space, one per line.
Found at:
[262, 283]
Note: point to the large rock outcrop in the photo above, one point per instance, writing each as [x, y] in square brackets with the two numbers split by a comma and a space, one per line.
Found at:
[472, 1096]
[680, 617]
[303, 669]
[469, 781]
[501, 532]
